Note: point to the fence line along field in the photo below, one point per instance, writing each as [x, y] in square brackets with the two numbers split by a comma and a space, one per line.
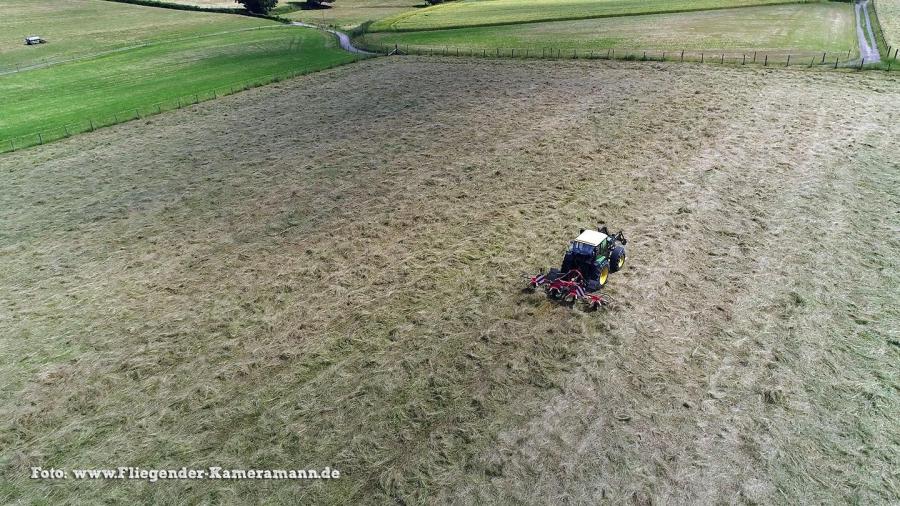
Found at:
[799, 29]
[307, 275]
[889, 16]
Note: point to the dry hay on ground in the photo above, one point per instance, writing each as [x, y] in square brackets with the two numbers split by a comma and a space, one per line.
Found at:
[326, 272]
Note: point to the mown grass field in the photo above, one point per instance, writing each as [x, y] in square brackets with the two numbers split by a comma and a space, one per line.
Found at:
[71, 93]
[799, 28]
[83, 27]
[306, 275]
[160, 64]
[497, 12]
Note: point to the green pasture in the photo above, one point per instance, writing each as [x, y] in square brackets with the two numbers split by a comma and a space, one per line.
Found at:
[500, 12]
[99, 87]
[889, 16]
[348, 14]
[76, 28]
[801, 28]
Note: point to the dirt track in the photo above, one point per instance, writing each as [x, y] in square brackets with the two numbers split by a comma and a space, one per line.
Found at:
[868, 47]
[345, 293]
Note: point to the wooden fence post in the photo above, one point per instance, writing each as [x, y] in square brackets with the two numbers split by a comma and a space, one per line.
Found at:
[682, 55]
[116, 117]
[645, 56]
[788, 64]
[92, 124]
[861, 63]
[723, 59]
[66, 129]
[766, 63]
[754, 56]
[744, 60]
[836, 61]
[12, 145]
[701, 57]
[40, 138]
[823, 58]
[895, 52]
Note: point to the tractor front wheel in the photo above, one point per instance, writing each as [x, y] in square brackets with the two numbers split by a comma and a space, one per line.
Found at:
[617, 258]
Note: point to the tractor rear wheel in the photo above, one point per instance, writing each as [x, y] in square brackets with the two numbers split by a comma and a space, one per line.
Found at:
[603, 276]
[617, 258]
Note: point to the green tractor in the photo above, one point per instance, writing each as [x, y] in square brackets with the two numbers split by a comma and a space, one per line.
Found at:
[585, 269]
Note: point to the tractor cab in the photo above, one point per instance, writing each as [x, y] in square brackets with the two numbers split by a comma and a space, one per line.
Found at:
[592, 242]
[588, 255]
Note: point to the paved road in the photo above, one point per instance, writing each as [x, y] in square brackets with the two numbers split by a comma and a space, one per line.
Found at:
[868, 48]
[344, 40]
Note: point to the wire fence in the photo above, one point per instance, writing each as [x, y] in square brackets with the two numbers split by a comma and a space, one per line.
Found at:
[94, 122]
[887, 51]
[819, 59]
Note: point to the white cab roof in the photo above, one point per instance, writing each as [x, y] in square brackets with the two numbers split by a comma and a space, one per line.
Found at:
[591, 237]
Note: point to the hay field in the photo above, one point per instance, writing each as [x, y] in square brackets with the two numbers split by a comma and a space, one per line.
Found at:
[190, 291]
[797, 29]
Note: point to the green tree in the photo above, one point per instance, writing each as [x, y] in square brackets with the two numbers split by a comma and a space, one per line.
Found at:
[258, 6]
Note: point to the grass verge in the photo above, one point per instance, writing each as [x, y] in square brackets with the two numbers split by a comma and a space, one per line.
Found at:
[889, 18]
